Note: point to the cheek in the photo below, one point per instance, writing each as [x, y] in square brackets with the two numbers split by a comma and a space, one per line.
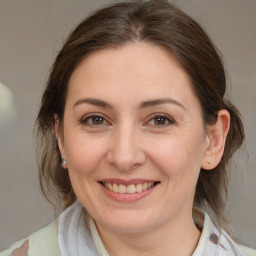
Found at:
[84, 155]
[178, 156]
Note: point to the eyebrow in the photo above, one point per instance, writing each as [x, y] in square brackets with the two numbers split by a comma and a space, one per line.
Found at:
[93, 101]
[155, 102]
[144, 104]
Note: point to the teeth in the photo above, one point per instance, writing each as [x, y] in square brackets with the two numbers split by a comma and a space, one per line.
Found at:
[139, 188]
[110, 187]
[130, 189]
[115, 188]
[150, 185]
[122, 189]
[145, 186]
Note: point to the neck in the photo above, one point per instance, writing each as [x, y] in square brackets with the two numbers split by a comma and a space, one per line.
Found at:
[177, 238]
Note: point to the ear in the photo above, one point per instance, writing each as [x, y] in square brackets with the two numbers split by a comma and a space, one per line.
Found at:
[59, 136]
[216, 138]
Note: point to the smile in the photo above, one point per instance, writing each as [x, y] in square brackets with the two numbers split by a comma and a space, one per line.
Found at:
[128, 189]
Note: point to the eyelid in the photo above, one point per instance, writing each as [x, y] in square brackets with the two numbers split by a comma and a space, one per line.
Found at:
[91, 115]
[106, 119]
[155, 115]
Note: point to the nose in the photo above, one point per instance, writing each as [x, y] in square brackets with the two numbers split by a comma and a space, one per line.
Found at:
[125, 151]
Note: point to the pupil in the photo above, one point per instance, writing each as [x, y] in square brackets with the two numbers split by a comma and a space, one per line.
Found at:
[97, 120]
[160, 120]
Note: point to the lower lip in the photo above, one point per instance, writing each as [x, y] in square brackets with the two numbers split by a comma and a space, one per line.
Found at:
[127, 197]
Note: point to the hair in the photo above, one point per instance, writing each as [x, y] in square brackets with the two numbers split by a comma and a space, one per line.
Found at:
[162, 24]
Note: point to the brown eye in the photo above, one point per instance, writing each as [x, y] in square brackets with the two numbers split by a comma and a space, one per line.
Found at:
[160, 120]
[97, 120]
[94, 120]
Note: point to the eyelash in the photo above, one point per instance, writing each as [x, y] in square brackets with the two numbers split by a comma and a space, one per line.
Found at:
[161, 116]
[85, 120]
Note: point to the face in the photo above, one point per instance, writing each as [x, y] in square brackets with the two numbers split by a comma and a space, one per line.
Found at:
[133, 137]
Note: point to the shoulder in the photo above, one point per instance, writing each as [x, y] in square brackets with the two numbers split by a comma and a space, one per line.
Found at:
[42, 242]
[247, 251]
[212, 236]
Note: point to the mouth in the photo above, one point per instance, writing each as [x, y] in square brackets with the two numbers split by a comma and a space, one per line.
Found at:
[120, 188]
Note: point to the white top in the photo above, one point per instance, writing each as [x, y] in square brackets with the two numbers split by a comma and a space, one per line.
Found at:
[76, 237]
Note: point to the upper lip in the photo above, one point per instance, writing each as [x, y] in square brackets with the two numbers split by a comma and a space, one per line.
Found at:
[128, 182]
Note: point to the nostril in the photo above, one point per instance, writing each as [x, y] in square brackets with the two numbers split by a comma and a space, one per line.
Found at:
[126, 160]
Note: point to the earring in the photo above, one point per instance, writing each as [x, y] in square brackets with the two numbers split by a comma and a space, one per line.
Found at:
[63, 163]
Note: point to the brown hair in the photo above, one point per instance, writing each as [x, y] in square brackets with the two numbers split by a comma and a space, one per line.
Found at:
[159, 23]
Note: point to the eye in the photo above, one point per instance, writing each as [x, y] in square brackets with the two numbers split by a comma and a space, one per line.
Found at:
[160, 120]
[94, 120]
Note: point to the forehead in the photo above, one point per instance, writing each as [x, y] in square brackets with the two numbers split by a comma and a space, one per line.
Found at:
[139, 55]
[135, 69]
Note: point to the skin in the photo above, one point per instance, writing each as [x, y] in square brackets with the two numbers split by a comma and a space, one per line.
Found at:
[129, 142]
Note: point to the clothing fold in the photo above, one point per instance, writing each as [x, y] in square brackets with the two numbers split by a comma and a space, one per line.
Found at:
[75, 233]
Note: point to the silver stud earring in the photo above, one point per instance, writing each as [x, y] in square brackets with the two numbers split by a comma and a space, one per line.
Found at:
[64, 163]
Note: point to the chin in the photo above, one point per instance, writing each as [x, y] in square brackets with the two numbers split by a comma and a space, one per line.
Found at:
[128, 222]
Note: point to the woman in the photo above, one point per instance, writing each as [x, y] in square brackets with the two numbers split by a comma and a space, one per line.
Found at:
[135, 110]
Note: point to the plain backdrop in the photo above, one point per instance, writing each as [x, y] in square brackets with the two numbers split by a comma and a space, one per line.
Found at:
[31, 33]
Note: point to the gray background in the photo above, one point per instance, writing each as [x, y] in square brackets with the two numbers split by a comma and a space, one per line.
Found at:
[31, 33]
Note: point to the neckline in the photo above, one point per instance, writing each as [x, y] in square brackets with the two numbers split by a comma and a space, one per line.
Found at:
[201, 219]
